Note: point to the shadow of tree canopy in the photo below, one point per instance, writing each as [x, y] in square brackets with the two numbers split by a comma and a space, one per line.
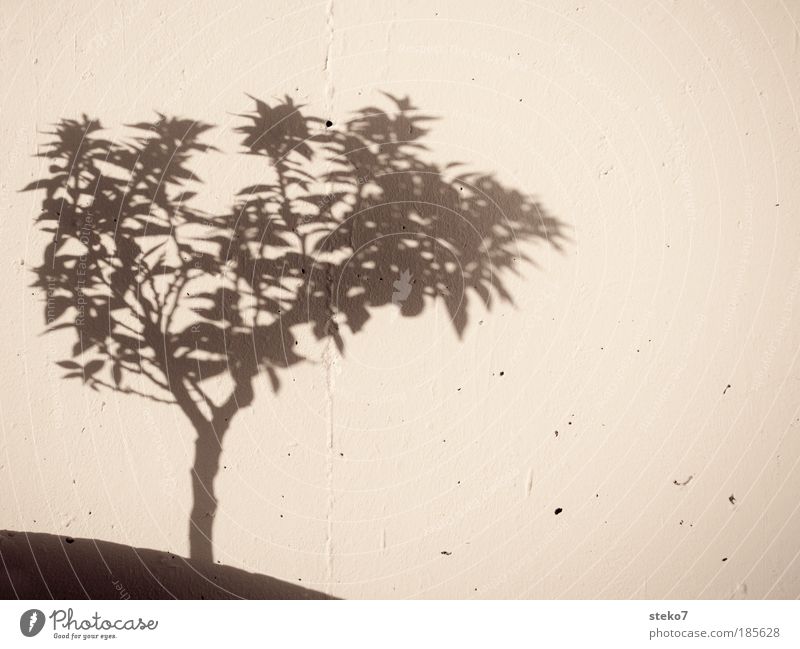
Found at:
[347, 218]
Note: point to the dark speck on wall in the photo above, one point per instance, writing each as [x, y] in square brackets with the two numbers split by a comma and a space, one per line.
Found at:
[69, 539]
[732, 499]
[727, 387]
[446, 553]
[329, 123]
[558, 511]
[724, 559]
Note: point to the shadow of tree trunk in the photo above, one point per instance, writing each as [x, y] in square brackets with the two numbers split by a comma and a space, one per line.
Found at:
[210, 433]
[207, 453]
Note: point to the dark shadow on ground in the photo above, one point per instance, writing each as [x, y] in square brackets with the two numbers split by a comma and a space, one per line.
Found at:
[46, 566]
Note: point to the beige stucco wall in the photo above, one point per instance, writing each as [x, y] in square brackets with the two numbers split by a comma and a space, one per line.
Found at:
[664, 134]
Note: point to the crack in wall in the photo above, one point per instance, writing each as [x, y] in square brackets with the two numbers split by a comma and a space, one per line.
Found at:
[329, 31]
[330, 360]
[330, 356]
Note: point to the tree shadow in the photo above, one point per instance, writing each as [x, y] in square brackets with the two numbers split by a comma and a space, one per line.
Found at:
[348, 218]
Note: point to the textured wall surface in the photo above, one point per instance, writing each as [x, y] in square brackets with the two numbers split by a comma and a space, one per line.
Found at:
[644, 383]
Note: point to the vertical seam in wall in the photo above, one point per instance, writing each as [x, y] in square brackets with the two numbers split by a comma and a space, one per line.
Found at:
[329, 361]
[329, 354]
[328, 54]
